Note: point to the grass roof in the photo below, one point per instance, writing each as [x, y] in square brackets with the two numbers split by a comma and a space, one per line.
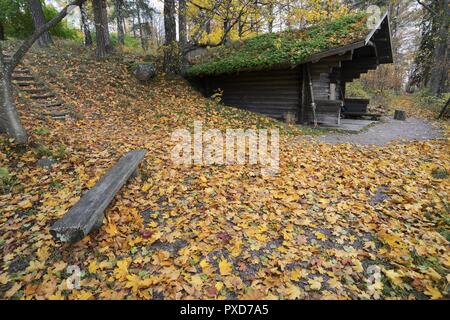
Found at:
[284, 48]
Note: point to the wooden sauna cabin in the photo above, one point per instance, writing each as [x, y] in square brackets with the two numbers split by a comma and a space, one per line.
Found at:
[301, 72]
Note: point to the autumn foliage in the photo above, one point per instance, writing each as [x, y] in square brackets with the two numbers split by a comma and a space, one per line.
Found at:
[339, 221]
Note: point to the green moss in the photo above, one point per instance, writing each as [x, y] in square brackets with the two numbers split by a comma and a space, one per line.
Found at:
[284, 48]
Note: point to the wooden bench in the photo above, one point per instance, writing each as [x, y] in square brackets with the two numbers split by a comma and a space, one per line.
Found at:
[88, 213]
[373, 116]
[356, 105]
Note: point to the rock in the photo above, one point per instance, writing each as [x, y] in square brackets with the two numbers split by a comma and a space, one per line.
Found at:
[46, 163]
[144, 72]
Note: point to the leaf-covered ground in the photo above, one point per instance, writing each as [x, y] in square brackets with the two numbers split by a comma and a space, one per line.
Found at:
[338, 222]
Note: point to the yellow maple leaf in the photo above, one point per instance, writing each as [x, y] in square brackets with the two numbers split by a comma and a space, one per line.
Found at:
[93, 267]
[83, 295]
[434, 293]
[320, 236]
[121, 271]
[4, 278]
[35, 266]
[357, 266]
[60, 266]
[219, 285]
[91, 183]
[25, 204]
[433, 274]
[42, 253]
[11, 292]
[334, 283]
[56, 296]
[293, 292]
[196, 281]
[298, 273]
[394, 277]
[316, 283]
[111, 229]
[205, 265]
[146, 187]
[225, 267]
[133, 282]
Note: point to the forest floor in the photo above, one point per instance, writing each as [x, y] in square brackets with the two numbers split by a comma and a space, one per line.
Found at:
[338, 221]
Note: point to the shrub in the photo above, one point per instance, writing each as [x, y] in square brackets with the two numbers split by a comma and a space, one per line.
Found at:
[356, 89]
[435, 104]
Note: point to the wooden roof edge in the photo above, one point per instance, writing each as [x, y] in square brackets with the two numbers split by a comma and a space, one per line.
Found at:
[368, 39]
[378, 25]
[333, 51]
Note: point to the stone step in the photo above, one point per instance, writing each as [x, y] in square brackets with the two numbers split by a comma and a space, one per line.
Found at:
[26, 83]
[61, 115]
[21, 72]
[22, 77]
[52, 104]
[35, 90]
[42, 96]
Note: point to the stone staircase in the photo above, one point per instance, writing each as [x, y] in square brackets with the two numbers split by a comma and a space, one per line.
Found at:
[46, 102]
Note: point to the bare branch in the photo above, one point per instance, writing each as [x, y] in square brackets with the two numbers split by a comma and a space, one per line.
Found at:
[427, 7]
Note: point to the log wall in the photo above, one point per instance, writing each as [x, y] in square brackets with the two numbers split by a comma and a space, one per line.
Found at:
[272, 93]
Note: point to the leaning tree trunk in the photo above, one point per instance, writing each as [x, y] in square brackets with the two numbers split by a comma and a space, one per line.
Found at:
[9, 117]
[170, 44]
[439, 68]
[85, 26]
[119, 21]
[182, 31]
[101, 31]
[39, 20]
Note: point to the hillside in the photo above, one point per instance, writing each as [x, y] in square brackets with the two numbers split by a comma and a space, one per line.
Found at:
[179, 232]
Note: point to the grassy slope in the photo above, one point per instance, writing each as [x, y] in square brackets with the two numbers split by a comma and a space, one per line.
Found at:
[310, 232]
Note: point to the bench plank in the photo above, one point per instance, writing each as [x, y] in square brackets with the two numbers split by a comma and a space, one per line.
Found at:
[88, 213]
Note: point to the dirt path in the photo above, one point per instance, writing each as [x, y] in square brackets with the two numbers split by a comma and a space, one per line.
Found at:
[383, 133]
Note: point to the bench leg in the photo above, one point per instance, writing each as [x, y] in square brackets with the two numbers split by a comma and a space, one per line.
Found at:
[135, 174]
[99, 222]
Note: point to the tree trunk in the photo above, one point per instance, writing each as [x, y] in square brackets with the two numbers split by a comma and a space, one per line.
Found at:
[182, 31]
[440, 62]
[141, 32]
[109, 47]
[85, 27]
[39, 20]
[133, 28]
[270, 18]
[101, 30]
[9, 117]
[119, 20]
[2, 31]
[226, 29]
[170, 44]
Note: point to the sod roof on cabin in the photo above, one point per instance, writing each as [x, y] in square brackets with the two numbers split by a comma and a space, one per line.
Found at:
[284, 48]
